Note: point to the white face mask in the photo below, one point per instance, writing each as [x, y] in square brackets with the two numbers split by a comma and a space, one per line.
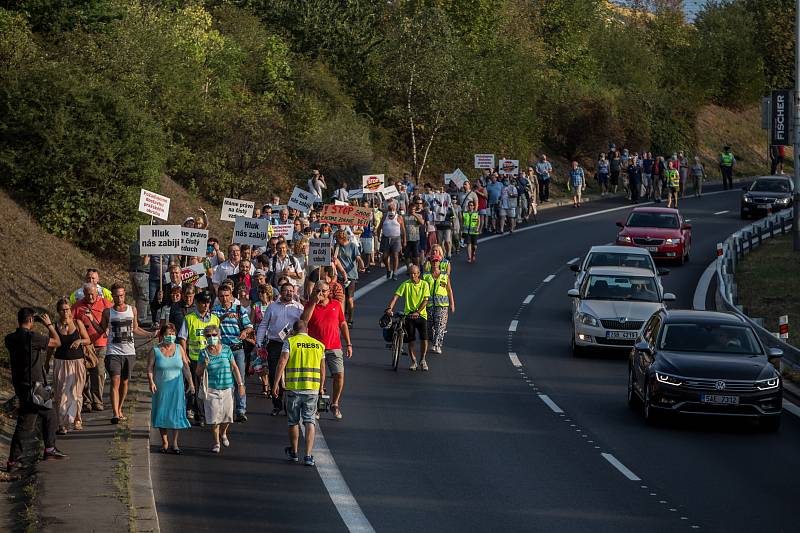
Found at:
[213, 341]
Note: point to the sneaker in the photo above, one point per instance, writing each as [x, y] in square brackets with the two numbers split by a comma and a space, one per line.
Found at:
[215, 448]
[189, 414]
[308, 460]
[424, 366]
[413, 366]
[276, 411]
[54, 453]
[388, 275]
[225, 441]
[241, 418]
[291, 455]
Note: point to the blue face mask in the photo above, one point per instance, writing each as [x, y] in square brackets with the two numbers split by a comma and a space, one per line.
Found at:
[169, 339]
[213, 341]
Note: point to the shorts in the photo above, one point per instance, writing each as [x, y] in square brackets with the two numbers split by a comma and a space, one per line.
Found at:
[367, 245]
[301, 406]
[484, 211]
[508, 212]
[391, 245]
[335, 360]
[412, 249]
[602, 179]
[350, 290]
[470, 238]
[419, 325]
[444, 235]
[120, 365]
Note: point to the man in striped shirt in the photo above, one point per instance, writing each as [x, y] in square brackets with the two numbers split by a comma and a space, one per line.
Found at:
[235, 326]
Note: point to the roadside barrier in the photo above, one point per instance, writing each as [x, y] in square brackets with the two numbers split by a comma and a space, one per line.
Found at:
[729, 253]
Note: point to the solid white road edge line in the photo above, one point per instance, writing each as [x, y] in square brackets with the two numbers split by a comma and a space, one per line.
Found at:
[549, 278]
[722, 212]
[701, 291]
[621, 467]
[792, 408]
[513, 325]
[527, 299]
[514, 359]
[550, 403]
[573, 260]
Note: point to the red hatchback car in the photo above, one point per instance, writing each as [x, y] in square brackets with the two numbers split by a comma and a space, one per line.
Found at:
[660, 230]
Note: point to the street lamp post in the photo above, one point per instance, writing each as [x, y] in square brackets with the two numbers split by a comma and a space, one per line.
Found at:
[796, 206]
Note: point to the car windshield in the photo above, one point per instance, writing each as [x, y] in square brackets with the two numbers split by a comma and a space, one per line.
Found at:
[634, 288]
[653, 220]
[770, 186]
[710, 338]
[605, 259]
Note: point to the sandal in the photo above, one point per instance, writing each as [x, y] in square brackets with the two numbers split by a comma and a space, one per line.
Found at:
[176, 451]
[78, 425]
[61, 431]
[163, 450]
[122, 418]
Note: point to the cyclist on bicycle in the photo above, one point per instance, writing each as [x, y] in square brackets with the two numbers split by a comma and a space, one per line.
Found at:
[416, 292]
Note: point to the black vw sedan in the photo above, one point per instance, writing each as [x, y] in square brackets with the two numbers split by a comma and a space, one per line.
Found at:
[765, 193]
[704, 363]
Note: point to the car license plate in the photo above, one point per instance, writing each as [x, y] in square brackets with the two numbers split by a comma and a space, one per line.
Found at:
[625, 335]
[651, 248]
[719, 399]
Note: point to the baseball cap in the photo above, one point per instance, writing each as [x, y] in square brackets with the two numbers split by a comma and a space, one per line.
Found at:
[203, 297]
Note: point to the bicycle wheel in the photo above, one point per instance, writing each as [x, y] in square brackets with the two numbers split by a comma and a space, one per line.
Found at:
[397, 347]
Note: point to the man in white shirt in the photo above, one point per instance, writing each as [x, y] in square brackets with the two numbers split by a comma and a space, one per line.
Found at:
[274, 329]
[230, 267]
[316, 183]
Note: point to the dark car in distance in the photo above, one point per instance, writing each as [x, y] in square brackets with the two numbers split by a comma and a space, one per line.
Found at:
[704, 363]
[767, 193]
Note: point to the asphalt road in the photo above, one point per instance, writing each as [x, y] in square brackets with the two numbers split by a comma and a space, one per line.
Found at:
[472, 446]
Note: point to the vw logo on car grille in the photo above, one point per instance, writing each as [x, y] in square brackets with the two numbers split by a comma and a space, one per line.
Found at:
[719, 385]
[623, 319]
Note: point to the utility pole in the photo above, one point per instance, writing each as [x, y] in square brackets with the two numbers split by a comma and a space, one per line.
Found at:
[796, 154]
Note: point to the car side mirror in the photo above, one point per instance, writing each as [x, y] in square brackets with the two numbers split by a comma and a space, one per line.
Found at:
[644, 347]
[663, 271]
[775, 353]
[575, 268]
[620, 224]
[573, 293]
[686, 226]
[669, 297]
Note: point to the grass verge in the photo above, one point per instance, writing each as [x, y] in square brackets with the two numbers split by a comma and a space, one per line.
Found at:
[120, 454]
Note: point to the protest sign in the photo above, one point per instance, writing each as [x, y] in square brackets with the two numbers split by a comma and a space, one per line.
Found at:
[232, 208]
[345, 215]
[194, 242]
[301, 200]
[457, 177]
[484, 160]
[390, 192]
[319, 252]
[160, 240]
[355, 194]
[154, 204]
[372, 182]
[252, 231]
[508, 167]
[192, 275]
[285, 230]
[339, 202]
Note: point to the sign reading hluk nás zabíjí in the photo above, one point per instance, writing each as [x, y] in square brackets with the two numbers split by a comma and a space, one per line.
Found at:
[160, 240]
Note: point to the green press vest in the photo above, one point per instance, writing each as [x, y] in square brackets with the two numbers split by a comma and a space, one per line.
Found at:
[302, 369]
[470, 225]
[195, 339]
[439, 296]
[726, 159]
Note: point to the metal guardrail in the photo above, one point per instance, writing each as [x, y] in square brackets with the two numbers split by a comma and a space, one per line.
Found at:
[734, 248]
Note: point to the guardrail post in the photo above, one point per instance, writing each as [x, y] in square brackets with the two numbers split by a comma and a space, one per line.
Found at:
[759, 235]
[783, 224]
[771, 229]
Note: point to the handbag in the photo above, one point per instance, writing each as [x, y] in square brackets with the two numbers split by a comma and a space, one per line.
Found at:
[90, 358]
[202, 390]
[41, 393]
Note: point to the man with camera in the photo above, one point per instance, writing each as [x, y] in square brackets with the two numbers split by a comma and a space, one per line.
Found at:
[27, 350]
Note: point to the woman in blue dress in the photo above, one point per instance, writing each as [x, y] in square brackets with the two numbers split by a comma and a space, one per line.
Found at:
[167, 366]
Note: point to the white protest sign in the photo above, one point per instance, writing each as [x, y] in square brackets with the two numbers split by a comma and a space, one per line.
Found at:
[301, 200]
[154, 204]
[339, 202]
[319, 252]
[194, 242]
[232, 208]
[252, 231]
[285, 230]
[372, 182]
[192, 275]
[484, 160]
[390, 192]
[508, 167]
[457, 177]
[355, 194]
[160, 240]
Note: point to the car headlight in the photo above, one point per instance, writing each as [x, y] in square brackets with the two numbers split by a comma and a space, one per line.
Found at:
[782, 201]
[624, 238]
[672, 241]
[668, 380]
[766, 384]
[747, 199]
[588, 320]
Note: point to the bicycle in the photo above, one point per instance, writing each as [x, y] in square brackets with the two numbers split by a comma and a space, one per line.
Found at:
[395, 328]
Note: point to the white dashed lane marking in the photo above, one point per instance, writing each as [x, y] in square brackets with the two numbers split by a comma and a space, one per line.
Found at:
[722, 212]
[573, 260]
[621, 467]
[792, 408]
[527, 299]
[514, 359]
[550, 403]
[549, 278]
[513, 325]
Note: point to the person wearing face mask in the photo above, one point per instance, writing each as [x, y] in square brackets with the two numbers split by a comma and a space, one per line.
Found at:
[167, 366]
[192, 340]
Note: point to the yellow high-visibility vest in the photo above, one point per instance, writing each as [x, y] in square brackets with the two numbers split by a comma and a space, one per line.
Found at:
[195, 339]
[302, 370]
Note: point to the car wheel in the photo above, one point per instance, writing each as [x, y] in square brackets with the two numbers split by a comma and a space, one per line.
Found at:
[633, 399]
[744, 215]
[577, 351]
[650, 416]
[686, 259]
[770, 424]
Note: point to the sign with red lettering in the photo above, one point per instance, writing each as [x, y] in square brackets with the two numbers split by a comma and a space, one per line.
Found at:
[372, 182]
[346, 215]
[154, 204]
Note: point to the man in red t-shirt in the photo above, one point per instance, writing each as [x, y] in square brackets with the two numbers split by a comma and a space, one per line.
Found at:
[89, 310]
[327, 324]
